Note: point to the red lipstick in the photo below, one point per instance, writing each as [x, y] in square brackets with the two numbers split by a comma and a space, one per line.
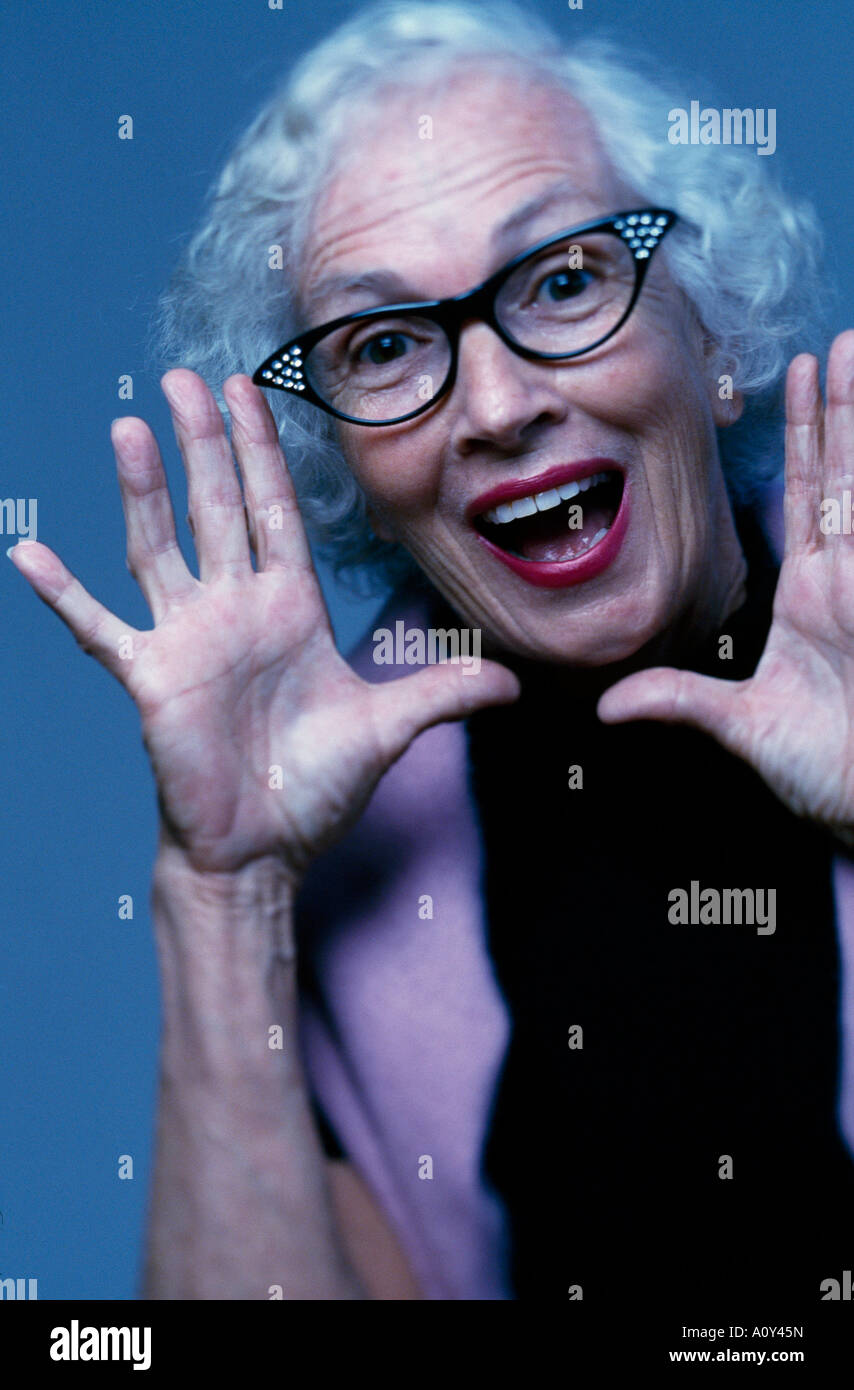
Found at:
[557, 574]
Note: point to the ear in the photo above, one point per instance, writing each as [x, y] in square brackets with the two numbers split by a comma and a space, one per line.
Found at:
[726, 400]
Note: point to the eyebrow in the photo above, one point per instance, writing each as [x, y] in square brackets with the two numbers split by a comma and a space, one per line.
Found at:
[392, 289]
[541, 202]
[382, 282]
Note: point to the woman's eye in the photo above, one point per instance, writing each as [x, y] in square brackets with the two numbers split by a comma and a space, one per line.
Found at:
[566, 284]
[382, 348]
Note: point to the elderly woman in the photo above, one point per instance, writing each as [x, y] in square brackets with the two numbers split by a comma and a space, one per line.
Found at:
[568, 1007]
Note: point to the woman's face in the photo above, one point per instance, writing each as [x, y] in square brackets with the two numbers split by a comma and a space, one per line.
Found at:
[440, 214]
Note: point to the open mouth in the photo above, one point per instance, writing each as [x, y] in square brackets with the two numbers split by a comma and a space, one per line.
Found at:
[559, 524]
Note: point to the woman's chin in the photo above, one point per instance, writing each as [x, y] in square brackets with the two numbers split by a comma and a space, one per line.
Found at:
[567, 649]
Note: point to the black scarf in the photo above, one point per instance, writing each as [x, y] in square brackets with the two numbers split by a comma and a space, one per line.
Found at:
[699, 1041]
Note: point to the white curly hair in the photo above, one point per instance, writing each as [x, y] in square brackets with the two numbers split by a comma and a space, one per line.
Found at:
[746, 254]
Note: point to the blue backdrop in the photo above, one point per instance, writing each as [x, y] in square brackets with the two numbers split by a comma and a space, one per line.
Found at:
[91, 229]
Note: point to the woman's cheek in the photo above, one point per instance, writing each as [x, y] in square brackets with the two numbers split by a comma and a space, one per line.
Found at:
[398, 484]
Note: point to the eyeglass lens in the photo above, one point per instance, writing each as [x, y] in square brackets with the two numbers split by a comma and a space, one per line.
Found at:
[563, 299]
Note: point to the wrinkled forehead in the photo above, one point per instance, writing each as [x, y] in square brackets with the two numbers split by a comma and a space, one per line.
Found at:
[424, 179]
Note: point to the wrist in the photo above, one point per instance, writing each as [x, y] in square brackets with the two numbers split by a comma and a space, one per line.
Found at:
[227, 880]
[228, 971]
[239, 919]
[266, 885]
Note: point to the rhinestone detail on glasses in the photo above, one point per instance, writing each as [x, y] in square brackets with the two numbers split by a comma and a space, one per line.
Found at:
[641, 232]
[287, 370]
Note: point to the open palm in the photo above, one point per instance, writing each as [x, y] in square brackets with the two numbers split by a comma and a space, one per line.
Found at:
[262, 739]
[793, 720]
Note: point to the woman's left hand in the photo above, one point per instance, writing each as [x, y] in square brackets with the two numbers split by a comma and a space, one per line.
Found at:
[794, 719]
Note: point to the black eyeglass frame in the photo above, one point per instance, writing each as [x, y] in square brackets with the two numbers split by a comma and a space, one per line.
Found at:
[643, 229]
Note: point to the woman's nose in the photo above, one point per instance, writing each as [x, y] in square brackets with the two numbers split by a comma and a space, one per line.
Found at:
[498, 394]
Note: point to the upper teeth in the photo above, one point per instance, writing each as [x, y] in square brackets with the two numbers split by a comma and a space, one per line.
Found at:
[541, 501]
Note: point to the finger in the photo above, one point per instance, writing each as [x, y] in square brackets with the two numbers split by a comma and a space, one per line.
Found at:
[98, 631]
[216, 502]
[804, 455]
[676, 697]
[839, 416]
[275, 520]
[153, 555]
[250, 528]
[439, 693]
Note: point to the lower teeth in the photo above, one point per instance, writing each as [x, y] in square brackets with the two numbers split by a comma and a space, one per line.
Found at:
[586, 543]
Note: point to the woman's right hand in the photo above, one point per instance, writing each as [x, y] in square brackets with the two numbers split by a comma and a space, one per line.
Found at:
[240, 675]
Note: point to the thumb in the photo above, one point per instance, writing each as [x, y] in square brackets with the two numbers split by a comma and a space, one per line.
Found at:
[439, 693]
[675, 697]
